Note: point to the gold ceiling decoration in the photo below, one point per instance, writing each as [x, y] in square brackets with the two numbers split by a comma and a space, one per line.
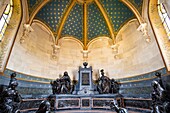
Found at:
[85, 1]
[116, 12]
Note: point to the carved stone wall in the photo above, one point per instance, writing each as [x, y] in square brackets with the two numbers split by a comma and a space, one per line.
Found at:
[135, 56]
[9, 36]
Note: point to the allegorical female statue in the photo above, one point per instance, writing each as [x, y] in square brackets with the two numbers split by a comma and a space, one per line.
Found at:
[62, 85]
[104, 84]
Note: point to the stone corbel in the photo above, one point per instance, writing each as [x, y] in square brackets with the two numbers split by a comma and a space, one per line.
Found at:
[26, 32]
[144, 30]
[115, 48]
[55, 52]
[85, 54]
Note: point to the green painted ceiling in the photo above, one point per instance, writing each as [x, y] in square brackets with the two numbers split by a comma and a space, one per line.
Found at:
[74, 23]
[96, 22]
[52, 13]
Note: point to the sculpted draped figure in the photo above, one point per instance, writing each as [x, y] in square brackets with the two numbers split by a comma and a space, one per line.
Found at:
[10, 99]
[62, 85]
[65, 83]
[160, 96]
[104, 84]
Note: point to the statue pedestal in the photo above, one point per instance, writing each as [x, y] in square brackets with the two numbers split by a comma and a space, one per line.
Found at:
[69, 101]
[87, 92]
[85, 85]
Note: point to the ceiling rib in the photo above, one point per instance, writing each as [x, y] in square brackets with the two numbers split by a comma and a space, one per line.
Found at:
[106, 19]
[85, 25]
[134, 10]
[63, 20]
[36, 11]
[85, 18]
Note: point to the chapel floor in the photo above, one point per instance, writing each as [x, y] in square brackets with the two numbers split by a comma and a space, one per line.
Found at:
[90, 111]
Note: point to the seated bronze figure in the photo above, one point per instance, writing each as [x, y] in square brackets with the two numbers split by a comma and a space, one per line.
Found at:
[62, 85]
[106, 86]
[10, 99]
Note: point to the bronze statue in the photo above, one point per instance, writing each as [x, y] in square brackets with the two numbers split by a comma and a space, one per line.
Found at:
[159, 79]
[156, 97]
[65, 83]
[114, 106]
[10, 99]
[56, 86]
[160, 99]
[44, 107]
[62, 85]
[104, 84]
[12, 78]
[115, 86]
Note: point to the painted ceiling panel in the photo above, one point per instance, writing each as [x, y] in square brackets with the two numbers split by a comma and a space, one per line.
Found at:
[138, 4]
[52, 12]
[117, 12]
[32, 4]
[74, 23]
[96, 23]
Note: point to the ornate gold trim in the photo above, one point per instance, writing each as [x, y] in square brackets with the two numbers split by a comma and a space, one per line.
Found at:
[85, 18]
[63, 21]
[106, 19]
[36, 11]
[134, 10]
[84, 1]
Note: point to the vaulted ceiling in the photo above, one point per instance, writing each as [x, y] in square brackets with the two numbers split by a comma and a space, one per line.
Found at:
[84, 18]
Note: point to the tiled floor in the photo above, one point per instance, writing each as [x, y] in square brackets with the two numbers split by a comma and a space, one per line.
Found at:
[85, 111]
